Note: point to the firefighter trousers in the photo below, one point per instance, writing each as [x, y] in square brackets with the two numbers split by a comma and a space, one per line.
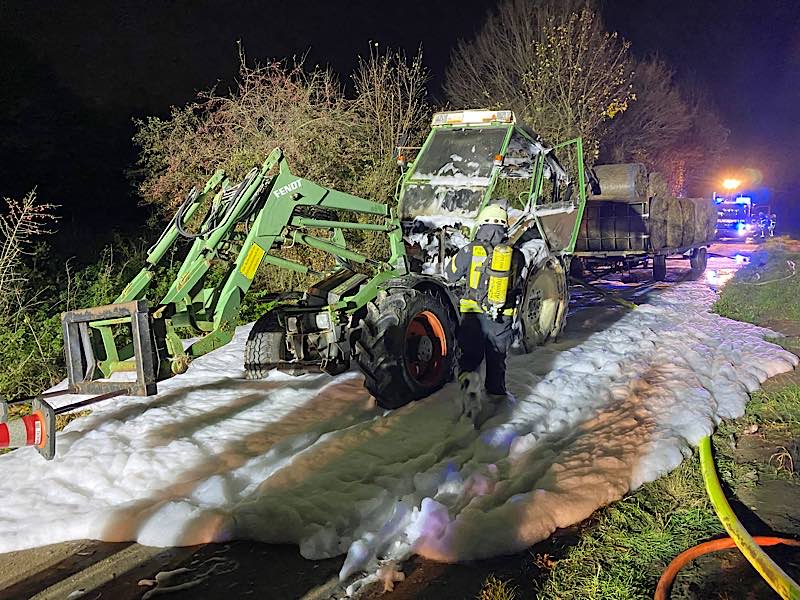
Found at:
[479, 337]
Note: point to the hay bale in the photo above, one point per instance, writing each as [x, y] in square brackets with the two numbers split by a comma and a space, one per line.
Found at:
[625, 182]
[681, 222]
[688, 218]
[675, 223]
[657, 185]
[671, 223]
[705, 221]
[657, 222]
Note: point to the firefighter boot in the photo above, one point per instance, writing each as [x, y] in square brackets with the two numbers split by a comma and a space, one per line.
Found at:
[471, 392]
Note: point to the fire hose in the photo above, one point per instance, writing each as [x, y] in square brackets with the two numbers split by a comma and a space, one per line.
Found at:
[749, 546]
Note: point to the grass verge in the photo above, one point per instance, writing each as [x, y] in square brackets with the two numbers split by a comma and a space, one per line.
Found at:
[624, 547]
[766, 290]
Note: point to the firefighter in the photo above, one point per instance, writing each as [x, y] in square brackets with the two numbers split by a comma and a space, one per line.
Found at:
[763, 223]
[493, 276]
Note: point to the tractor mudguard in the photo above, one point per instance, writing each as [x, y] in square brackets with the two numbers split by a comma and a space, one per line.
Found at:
[428, 284]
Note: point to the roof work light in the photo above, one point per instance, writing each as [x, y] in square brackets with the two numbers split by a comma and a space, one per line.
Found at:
[473, 117]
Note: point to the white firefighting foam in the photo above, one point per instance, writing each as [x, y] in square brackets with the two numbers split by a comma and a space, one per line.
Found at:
[617, 402]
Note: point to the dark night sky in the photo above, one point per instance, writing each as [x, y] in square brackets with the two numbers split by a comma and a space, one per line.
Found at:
[75, 73]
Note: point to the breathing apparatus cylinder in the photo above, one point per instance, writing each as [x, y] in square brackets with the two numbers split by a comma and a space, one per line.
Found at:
[476, 266]
[499, 276]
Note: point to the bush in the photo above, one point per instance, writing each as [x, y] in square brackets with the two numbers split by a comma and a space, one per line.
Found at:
[26, 350]
[35, 290]
[339, 142]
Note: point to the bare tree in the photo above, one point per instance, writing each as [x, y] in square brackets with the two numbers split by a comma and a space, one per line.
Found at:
[23, 223]
[670, 127]
[580, 81]
[391, 100]
[552, 62]
[693, 160]
[658, 119]
[489, 71]
[391, 95]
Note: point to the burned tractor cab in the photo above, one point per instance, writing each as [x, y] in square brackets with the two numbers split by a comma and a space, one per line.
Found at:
[472, 158]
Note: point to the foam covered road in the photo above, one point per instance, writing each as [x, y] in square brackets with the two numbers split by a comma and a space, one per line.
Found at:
[312, 461]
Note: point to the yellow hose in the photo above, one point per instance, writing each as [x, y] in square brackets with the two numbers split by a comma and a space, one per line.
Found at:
[771, 572]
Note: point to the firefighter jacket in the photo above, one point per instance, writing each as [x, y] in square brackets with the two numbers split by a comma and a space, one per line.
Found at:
[493, 271]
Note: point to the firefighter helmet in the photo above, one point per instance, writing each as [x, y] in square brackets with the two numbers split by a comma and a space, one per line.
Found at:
[492, 214]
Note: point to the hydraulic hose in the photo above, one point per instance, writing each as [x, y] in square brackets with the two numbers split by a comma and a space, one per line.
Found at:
[750, 547]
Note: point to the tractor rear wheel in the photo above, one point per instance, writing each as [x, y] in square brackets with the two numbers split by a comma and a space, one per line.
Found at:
[407, 347]
[544, 304]
[265, 347]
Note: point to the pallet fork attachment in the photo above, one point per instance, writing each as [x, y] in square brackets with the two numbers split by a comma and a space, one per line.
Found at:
[90, 348]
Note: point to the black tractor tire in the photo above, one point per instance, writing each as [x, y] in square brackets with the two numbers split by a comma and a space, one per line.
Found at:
[407, 346]
[659, 267]
[698, 261]
[265, 346]
[544, 304]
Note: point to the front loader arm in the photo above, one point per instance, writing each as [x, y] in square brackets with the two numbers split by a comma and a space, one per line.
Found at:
[244, 225]
[287, 192]
[137, 287]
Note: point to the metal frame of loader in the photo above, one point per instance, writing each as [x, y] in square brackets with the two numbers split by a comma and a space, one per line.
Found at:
[268, 207]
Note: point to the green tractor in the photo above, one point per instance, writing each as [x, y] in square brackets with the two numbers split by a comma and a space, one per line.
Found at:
[395, 316]
[399, 325]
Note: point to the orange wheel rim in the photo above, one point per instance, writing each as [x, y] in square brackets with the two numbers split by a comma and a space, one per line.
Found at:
[425, 346]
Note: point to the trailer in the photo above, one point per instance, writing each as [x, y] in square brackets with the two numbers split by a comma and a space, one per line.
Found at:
[631, 221]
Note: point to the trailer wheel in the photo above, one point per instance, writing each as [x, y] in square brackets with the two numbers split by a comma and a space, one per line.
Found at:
[265, 346]
[698, 260]
[407, 347]
[659, 267]
[544, 305]
[577, 267]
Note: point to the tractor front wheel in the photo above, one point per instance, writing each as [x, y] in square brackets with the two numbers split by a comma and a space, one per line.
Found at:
[407, 347]
[265, 347]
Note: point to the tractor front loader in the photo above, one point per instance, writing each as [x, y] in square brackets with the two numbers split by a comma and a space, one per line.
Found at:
[394, 315]
[126, 347]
